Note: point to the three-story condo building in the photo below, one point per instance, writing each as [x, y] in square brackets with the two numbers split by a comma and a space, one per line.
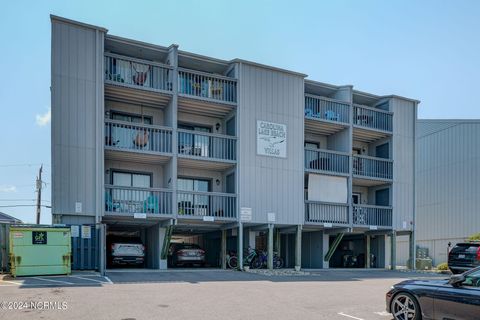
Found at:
[169, 146]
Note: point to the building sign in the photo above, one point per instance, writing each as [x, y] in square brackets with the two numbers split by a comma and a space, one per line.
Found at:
[271, 139]
[86, 232]
[271, 217]
[75, 231]
[138, 215]
[39, 237]
[245, 214]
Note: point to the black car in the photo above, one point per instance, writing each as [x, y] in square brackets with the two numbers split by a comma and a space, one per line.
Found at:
[181, 254]
[455, 298]
[464, 256]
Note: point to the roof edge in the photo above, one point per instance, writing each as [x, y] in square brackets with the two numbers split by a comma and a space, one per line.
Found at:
[77, 23]
[264, 66]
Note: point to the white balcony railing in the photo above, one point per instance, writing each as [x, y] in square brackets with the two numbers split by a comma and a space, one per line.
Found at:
[206, 145]
[369, 215]
[210, 204]
[372, 167]
[137, 137]
[130, 200]
[325, 212]
[326, 160]
[326, 109]
[372, 118]
[207, 86]
[138, 73]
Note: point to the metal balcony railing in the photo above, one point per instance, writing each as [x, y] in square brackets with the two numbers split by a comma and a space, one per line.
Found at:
[132, 200]
[372, 118]
[326, 160]
[325, 212]
[206, 145]
[211, 204]
[207, 86]
[369, 215]
[326, 109]
[137, 137]
[372, 167]
[138, 73]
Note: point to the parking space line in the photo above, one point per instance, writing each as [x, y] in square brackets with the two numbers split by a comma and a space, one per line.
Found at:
[58, 281]
[87, 279]
[18, 284]
[349, 316]
[108, 279]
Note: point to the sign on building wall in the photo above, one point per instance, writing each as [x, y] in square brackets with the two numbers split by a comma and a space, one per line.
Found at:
[86, 232]
[245, 214]
[271, 139]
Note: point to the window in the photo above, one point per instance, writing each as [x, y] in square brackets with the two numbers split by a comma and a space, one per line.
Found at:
[312, 145]
[356, 198]
[121, 116]
[472, 279]
[126, 137]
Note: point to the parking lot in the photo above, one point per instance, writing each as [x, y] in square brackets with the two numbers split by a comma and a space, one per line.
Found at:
[204, 294]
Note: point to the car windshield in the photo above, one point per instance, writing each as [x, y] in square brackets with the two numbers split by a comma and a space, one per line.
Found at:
[465, 247]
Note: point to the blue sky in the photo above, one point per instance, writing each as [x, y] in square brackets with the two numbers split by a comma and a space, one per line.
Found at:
[428, 50]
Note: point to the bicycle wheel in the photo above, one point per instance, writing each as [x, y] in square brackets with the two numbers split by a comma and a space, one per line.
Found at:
[256, 263]
[277, 262]
[232, 262]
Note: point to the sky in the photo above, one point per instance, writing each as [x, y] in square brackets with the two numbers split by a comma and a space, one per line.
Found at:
[427, 50]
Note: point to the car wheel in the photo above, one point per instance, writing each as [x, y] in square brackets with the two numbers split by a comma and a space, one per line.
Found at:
[405, 307]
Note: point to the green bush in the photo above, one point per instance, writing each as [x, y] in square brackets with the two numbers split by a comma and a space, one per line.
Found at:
[442, 266]
[474, 237]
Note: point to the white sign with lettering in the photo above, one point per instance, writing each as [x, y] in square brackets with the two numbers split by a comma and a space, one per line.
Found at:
[245, 214]
[271, 139]
[75, 231]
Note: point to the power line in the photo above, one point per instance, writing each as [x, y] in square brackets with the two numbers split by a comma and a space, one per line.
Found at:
[25, 205]
[21, 165]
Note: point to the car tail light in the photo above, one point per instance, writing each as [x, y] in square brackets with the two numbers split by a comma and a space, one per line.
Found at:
[113, 247]
[478, 253]
[201, 252]
[144, 248]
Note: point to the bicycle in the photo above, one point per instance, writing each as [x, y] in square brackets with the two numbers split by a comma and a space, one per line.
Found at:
[250, 259]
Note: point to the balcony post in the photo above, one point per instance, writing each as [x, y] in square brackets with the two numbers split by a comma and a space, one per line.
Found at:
[325, 247]
[367, 251]
[393, 250]
[298, 248]
[240, 246]
[223, 252]
[270, 247]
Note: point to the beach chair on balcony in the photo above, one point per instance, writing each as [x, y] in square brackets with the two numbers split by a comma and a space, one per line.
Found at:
[151, 204]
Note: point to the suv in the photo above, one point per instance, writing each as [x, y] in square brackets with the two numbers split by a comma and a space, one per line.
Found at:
[464, 256]
[126, 251]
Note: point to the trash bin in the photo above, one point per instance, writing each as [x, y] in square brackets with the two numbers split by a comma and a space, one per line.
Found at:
[39, 250]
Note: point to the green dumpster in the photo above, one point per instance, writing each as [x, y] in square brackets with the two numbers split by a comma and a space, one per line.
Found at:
[39, 250]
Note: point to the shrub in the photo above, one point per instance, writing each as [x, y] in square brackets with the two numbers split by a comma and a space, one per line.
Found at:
[442, 266]
[475, 236]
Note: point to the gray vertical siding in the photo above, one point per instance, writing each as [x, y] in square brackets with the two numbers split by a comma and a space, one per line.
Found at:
[77, 103]
[403, 152]
[447, 173]
[268, 184]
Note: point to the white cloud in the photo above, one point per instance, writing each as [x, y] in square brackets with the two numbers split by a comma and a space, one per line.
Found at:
[8, 189]
[44, 119]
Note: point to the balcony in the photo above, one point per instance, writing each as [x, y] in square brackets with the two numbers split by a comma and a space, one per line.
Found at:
[371, 124]
[129, 200]
[207, 86]
[325, 212]
[325, 116]
[139, 138]
[221, 206]
[326, 161]
[369, 215]
[214, 148]
[365, 167]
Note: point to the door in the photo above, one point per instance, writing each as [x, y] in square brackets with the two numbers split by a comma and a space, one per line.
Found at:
[131, 192]
[124, 137]
[460, 303]
[192, 144]
[382, 151]
[193, 201]
[382, 197]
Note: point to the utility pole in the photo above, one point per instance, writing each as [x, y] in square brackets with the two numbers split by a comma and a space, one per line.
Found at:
[39, 185]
